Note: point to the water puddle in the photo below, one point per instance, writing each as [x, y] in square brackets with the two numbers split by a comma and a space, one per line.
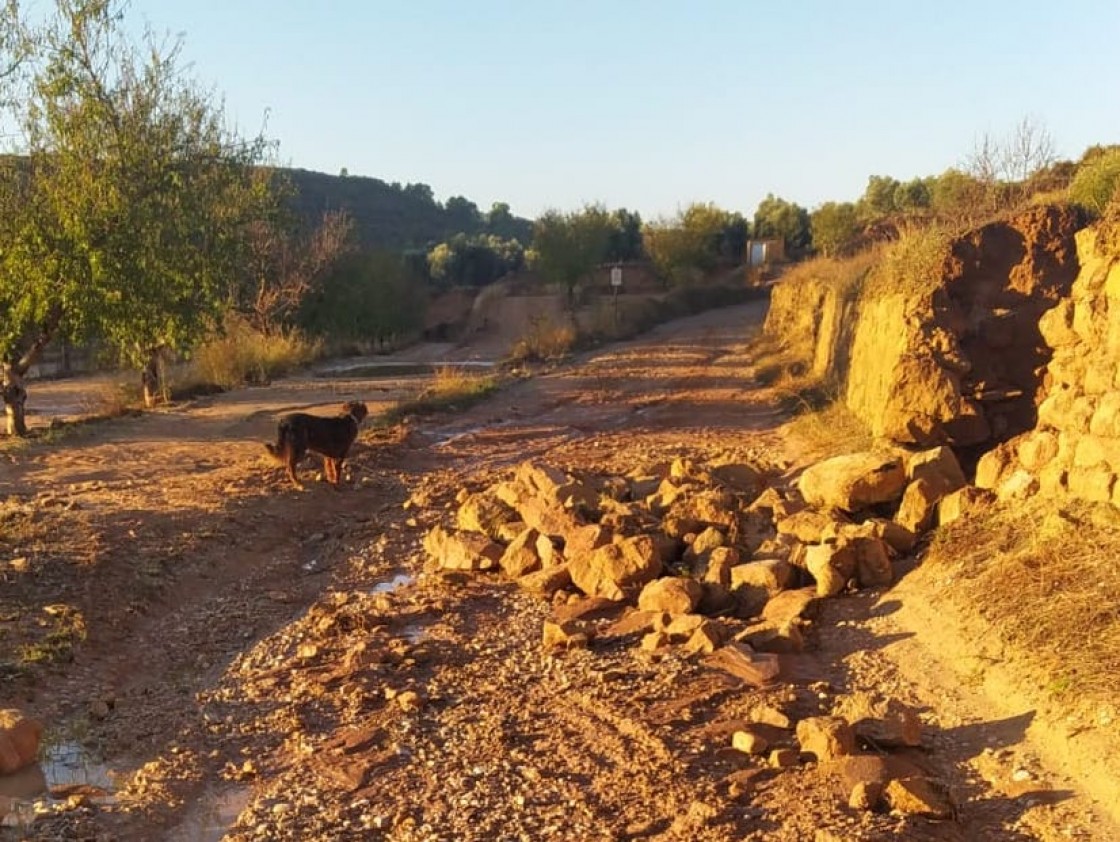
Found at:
[212, 817]
[390, 585]
[66, 768]
[372, 370]
[69, 764]
[452, 438]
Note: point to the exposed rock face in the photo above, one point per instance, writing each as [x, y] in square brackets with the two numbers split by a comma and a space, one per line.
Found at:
[1075, 447]
[953, 364]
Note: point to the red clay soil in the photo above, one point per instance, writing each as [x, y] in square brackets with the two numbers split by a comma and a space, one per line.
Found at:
[260, 663]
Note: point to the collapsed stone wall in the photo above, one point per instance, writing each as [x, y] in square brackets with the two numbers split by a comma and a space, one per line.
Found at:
[957, 363]
[1075, 447]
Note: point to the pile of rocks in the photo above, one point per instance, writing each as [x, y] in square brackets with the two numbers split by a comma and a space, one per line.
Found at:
[721, 562]
[700, 555]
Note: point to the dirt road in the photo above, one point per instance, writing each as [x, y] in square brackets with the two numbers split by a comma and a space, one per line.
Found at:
[235, 659]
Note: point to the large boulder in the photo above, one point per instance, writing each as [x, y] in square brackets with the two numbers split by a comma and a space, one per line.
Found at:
[938, 467]
[771, 574]
[19, 740]
[523, 555]
[881, 721]
[484, 514]
[918, 509]
[853, 482]
[831, 566]
[673, 595]
[617, 570]
[461, 550]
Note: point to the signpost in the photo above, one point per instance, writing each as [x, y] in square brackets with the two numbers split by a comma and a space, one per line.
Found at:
[616, 285]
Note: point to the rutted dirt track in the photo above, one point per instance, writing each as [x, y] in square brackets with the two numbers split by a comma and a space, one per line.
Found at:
[271, 664]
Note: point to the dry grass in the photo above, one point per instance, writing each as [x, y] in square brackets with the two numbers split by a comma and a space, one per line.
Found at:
[451, 388]
[822, 423]
[544, 340]
[1048, 584]
[826, 427]
[845, 274]
[241, 356]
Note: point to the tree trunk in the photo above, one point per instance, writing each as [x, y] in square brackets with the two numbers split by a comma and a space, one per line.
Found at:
[150, 379]
[12, 389]
[14, 395]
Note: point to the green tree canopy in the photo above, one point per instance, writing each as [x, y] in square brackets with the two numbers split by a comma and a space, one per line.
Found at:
[958, 195]
[568, 246]
[779, 218]
[835, 226]
[129, 209]
[878, 199]
[695, 241]
[625, 241]
[474, 261]
[374, 295]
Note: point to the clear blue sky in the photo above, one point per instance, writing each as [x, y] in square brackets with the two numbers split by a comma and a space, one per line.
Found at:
[653, 104]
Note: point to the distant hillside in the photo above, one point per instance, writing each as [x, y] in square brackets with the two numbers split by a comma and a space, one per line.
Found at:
[400, 217]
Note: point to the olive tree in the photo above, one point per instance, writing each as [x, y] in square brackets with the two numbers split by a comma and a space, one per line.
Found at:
[126, 209]
[568, 246]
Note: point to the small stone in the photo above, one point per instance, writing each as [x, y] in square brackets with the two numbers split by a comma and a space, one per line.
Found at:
[655, 640]
[749, 742]
[826, 737]
[916, 795]
[99, 709]
[706, 639]
[783, 758]
[769, 715]
[865, 795]
[570, 634]
[409, 701]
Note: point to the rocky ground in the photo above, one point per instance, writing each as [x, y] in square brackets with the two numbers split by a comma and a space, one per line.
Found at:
[251, 662]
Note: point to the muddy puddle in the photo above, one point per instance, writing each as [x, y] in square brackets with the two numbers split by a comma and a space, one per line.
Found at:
[212, 817]
[367, 370]
[393, 583]
[66, 768]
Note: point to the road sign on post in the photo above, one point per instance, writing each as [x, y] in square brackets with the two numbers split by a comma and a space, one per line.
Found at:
[616, 284]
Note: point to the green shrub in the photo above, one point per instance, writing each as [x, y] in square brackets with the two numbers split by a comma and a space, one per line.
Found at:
[1096, 182]
[914, 263]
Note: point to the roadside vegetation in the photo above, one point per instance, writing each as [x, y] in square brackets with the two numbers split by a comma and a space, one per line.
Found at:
[452, 388]
[1048, 584]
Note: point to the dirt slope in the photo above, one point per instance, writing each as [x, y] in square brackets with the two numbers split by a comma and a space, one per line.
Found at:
[267, 664]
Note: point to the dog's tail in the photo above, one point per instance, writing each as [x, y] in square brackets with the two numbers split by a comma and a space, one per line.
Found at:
[278, 450]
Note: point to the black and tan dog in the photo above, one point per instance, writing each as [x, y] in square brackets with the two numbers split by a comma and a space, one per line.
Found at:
[300, 433]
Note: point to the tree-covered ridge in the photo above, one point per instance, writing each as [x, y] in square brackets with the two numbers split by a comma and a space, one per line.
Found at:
[399, 217]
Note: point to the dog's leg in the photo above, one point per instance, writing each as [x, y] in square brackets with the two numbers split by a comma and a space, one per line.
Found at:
[291, 465]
